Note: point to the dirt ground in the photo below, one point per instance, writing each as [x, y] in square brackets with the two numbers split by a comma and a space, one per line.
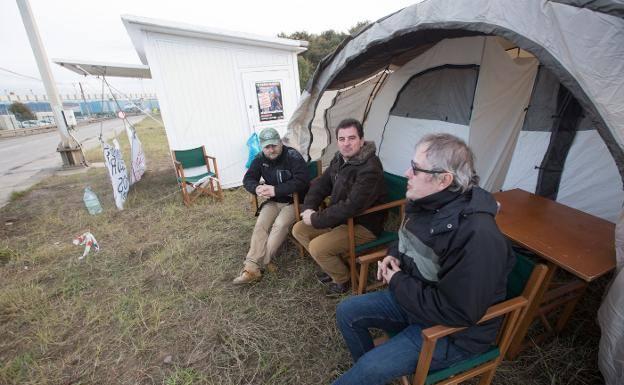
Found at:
[156, 305]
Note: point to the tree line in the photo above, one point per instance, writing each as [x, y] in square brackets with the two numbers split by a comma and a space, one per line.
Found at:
[319, 46]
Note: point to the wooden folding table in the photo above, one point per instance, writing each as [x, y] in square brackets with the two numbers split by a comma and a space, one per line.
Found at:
[566, 238]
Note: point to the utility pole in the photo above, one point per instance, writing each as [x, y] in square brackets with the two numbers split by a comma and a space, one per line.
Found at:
[70, 150]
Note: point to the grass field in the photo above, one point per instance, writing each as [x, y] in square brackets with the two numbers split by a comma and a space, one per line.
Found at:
[156, 306]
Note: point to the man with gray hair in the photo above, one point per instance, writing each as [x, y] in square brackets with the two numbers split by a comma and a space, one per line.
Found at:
[449, 265]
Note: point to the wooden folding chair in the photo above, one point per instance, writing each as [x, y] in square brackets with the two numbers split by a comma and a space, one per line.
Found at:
[315, 169]
[395, 187]
[194, 171]
[522, 285]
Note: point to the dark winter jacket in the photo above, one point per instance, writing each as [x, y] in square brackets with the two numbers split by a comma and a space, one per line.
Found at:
[354, 186]
[461, 241]
[288, 173]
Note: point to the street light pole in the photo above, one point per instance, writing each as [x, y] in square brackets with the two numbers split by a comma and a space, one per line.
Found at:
[68, 148]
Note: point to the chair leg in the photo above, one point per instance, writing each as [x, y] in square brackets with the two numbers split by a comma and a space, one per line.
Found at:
[486, 378]
[363, 278]
[220, 190]
[185, 196]
[212, 188]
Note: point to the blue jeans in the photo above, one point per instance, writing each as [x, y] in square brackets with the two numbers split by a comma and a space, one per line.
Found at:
[396, 357]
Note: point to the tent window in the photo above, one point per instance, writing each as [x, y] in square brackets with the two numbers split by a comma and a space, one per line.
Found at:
[442, 93]
[542, 108]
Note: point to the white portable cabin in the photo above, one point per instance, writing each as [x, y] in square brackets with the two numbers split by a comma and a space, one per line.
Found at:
[535, 87]
[216, 88]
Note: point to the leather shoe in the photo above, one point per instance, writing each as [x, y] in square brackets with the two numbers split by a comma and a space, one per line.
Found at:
[336, 289]
[323, 277]
[247, 277]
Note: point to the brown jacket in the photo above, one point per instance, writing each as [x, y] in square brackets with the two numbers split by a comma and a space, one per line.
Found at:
[353, 186]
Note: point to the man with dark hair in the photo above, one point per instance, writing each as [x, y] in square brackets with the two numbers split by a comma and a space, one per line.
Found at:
[354, 182]
[284, 172]
[450, 264]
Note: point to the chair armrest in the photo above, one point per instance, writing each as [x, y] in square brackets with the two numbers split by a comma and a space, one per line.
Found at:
[178, 168]
[494, 311]
[297, 205]
[503, 308]
[215, 170]
[254, 202]
[372, 257]
[385, 206]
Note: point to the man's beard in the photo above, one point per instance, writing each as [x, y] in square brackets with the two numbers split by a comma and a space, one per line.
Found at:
[273, 156]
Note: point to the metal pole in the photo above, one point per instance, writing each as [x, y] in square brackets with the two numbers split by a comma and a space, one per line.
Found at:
[44, 69]
[85, 100]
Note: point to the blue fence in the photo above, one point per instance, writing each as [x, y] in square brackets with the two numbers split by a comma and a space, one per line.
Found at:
[90, 107]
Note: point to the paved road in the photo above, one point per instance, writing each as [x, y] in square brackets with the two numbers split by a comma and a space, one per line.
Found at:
[25, 160]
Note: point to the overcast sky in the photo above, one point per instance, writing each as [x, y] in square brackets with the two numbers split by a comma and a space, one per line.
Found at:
[92, 30]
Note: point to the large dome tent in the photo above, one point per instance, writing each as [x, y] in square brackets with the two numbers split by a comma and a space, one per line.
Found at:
[535, 87]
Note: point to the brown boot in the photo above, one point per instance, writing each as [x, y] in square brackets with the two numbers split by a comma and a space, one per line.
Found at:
[271, 267]
[247, 277]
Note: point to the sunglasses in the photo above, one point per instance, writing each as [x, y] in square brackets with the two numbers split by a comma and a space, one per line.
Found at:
[416, 169]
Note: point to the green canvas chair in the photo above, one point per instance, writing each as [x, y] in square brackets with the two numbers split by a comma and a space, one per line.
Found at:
[195, 173]
[522, 285]
[395, 187]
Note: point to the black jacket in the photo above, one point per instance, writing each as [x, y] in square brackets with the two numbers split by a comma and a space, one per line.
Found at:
[354, 186]
[288, 173]
[474, 261]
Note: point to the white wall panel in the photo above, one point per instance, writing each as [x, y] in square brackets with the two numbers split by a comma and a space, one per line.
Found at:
[267, 57]
[200, 88]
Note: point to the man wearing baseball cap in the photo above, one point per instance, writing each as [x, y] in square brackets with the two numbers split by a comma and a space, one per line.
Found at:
[284, 172]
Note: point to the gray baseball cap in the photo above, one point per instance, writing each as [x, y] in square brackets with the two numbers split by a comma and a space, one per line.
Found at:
[269, 136]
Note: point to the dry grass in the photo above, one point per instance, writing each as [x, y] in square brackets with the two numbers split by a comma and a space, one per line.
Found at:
[160, 287]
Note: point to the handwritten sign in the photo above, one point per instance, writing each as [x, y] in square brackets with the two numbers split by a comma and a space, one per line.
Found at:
[138, 160]
[117, 173]
[136, 154]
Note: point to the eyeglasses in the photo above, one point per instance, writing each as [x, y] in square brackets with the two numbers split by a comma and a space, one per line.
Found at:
[416, 170]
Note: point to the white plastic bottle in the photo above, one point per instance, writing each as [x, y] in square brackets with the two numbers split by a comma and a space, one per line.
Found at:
[91, 201]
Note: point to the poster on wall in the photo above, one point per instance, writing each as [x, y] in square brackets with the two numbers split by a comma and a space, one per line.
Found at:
[270, 105]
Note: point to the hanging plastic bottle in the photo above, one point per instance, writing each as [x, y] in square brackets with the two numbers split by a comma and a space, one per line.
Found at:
[91, 201]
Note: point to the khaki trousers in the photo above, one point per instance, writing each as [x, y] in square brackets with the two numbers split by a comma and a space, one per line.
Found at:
[269, 233]
[329, 246]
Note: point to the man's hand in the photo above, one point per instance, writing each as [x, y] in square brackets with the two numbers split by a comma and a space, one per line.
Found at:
[265, 191]
[306, 216]
[269, 191]
[387, 267]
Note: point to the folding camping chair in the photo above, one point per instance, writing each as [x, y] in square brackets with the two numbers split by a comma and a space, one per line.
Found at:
[522, 285]
[315, 169]
[395, 187]
[193, 171]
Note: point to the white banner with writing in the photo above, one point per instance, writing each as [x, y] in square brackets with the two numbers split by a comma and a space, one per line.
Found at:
[117, 172]
[138, 159]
